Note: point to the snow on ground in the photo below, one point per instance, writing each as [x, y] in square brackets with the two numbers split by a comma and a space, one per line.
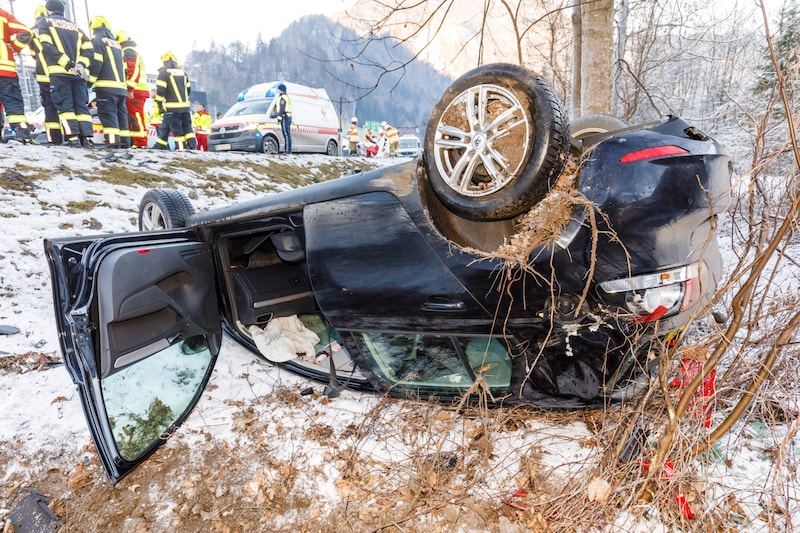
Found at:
[255, 453]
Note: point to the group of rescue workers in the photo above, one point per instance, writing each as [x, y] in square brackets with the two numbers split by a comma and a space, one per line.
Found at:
[69, 63]
[386, 140]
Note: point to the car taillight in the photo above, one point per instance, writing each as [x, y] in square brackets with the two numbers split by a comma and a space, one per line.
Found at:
[651, 297]
[651, 153]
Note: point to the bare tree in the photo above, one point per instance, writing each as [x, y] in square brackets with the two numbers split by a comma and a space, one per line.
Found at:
[597, 57]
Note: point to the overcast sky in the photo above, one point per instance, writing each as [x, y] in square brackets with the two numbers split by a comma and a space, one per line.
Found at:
[180, 26]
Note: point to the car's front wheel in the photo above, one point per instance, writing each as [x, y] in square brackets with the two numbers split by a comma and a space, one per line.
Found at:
[588, 125]
[269, 145]
[495, 143]
[164, 209]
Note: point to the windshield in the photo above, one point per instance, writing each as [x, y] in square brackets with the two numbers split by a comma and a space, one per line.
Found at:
[408, 143]
[249, 107]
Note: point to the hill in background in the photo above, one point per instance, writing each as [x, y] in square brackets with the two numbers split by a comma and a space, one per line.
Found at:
[375, 82]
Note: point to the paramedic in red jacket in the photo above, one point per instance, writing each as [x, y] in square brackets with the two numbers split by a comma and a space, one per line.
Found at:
[16, 36]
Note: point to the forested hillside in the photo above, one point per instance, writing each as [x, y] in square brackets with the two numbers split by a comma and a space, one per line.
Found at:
[379, 85]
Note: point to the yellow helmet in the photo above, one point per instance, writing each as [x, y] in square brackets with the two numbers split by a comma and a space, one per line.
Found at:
[40, 11]
[169, 56]
[121, 36]
[99, 21]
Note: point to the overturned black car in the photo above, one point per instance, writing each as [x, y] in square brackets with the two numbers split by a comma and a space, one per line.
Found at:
[390, 280]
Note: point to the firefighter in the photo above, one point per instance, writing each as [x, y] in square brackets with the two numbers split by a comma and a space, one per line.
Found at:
[68, 53]
[52, 126]
[108, 76]
[353, 136]
[392, 138]
[201, 121]
[172, 97]
[138, 91]
[16, 37]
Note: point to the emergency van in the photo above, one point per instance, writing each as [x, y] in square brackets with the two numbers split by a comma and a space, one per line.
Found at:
[248, 126]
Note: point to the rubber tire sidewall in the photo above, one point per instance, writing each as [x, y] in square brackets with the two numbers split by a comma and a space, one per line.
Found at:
[176, 207]
[332, 149]
[269, 139]
[592, 124]
[541, 166]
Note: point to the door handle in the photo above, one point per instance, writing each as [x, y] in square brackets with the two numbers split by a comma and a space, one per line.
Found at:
[442, 303]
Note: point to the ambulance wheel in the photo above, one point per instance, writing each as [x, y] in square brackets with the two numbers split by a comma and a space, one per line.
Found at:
[269, 145]
[332, 148]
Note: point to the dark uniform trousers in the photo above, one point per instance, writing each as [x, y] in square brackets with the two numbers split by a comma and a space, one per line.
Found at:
[113, 114]
[180, 124]
[51, 122]
[11, 96]
[70, 97]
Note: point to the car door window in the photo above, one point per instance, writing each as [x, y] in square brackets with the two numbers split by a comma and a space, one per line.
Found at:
[489, 359]
[435, 363]
[145, 398]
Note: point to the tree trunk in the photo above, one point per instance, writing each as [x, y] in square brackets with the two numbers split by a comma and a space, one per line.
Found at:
[577, 38]
[597, 53]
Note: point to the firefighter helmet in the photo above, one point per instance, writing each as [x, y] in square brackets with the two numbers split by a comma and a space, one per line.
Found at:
[41, 11]
[121, 36]
[99, 21]
[169, 56]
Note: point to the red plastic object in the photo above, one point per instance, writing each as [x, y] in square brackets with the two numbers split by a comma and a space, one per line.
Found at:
[680, 497]
[700, 404]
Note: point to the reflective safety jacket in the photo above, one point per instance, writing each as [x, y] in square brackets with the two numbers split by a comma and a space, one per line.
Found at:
[15, 37]
[63, 42]
[201, 121]
[284, 106]
[137, 76]
[155, 116]
[392, 135]
[173, 88]
[107, 70]
[352, 134]
[37, 53]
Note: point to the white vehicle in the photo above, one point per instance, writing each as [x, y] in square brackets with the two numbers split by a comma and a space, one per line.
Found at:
[247, 125]
[410, 146]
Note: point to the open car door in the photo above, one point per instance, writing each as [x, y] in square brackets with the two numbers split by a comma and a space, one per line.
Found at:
[140, 332]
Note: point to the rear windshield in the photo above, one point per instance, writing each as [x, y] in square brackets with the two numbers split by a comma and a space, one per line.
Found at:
[408, 143]
[249, 107]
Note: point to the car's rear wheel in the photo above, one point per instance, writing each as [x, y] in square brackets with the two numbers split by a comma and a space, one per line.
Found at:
[495, 142]
[164, 209]
[269, 145]
[332, 148]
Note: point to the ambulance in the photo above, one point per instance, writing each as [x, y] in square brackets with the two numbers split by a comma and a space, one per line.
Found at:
[247, 125]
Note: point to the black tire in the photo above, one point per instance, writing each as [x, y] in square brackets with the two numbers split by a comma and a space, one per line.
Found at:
[332, 148]
[592, 124]
[583, 127]
[162, 209]
[270, 145]
[495, 143]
